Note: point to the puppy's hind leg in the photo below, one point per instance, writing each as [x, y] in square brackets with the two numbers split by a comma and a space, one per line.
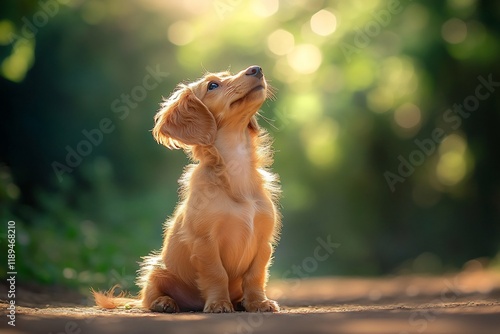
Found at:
[155, 281]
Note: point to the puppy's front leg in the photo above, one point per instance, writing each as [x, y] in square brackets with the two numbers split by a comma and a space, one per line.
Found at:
[254, 283]
[212, 277]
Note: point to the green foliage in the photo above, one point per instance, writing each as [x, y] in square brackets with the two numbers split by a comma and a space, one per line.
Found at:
[361, 85]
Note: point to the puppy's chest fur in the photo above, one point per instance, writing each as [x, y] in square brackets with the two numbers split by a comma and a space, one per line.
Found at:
[237, 154]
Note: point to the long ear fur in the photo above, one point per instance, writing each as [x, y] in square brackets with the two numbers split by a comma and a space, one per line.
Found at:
[184, 120]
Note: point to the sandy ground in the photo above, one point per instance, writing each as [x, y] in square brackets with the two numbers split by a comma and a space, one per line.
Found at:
[467, 302]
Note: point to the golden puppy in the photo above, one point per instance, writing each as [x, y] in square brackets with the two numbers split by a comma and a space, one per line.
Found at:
[218, 245]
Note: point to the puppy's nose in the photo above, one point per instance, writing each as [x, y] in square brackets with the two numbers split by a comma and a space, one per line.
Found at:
[254, 71]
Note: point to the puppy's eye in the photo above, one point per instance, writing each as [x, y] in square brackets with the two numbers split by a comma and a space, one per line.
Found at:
[212, 85]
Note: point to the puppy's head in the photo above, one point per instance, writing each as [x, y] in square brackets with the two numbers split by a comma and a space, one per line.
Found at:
[193, 114]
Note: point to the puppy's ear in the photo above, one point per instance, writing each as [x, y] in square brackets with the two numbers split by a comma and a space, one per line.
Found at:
[184, 120]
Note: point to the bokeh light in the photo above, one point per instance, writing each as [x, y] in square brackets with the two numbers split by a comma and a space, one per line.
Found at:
[180, 33]
[305, 58]
[6, 31]
[407, 116]
[323, 22]
[452, 167]
[360, 74]
[265, 8]
[454, 31]
[380, 99]
[462, 4]
[15, 66]
[280, 42]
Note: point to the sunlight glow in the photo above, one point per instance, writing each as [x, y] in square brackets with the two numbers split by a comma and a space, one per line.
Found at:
[265, 8]
[280, 42]
[180, 33]
[305, 58]
[451, 168]
[283, 72]
[194, 7]
[324, 22]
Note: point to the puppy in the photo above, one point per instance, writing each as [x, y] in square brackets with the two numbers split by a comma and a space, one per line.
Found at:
[218, 244]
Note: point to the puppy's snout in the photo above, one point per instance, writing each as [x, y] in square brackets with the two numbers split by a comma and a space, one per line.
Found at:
[254, 71]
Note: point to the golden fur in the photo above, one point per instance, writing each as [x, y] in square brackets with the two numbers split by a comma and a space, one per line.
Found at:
[218, 244]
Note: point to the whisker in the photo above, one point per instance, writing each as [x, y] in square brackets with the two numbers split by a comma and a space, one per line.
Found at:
[271, 92]
[268, 121]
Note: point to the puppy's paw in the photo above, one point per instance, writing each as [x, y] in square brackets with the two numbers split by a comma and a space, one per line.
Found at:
[164, 304]
[266, 305]
[223, 306]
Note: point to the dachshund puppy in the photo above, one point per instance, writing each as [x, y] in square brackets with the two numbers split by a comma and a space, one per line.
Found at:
[218, 244]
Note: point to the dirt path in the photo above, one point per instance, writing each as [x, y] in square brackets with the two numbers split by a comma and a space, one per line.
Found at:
[468, 302]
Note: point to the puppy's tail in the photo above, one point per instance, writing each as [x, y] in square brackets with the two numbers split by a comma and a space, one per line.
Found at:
[109, 301]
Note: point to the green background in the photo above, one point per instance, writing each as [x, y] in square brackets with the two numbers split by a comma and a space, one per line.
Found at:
[361, 87]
